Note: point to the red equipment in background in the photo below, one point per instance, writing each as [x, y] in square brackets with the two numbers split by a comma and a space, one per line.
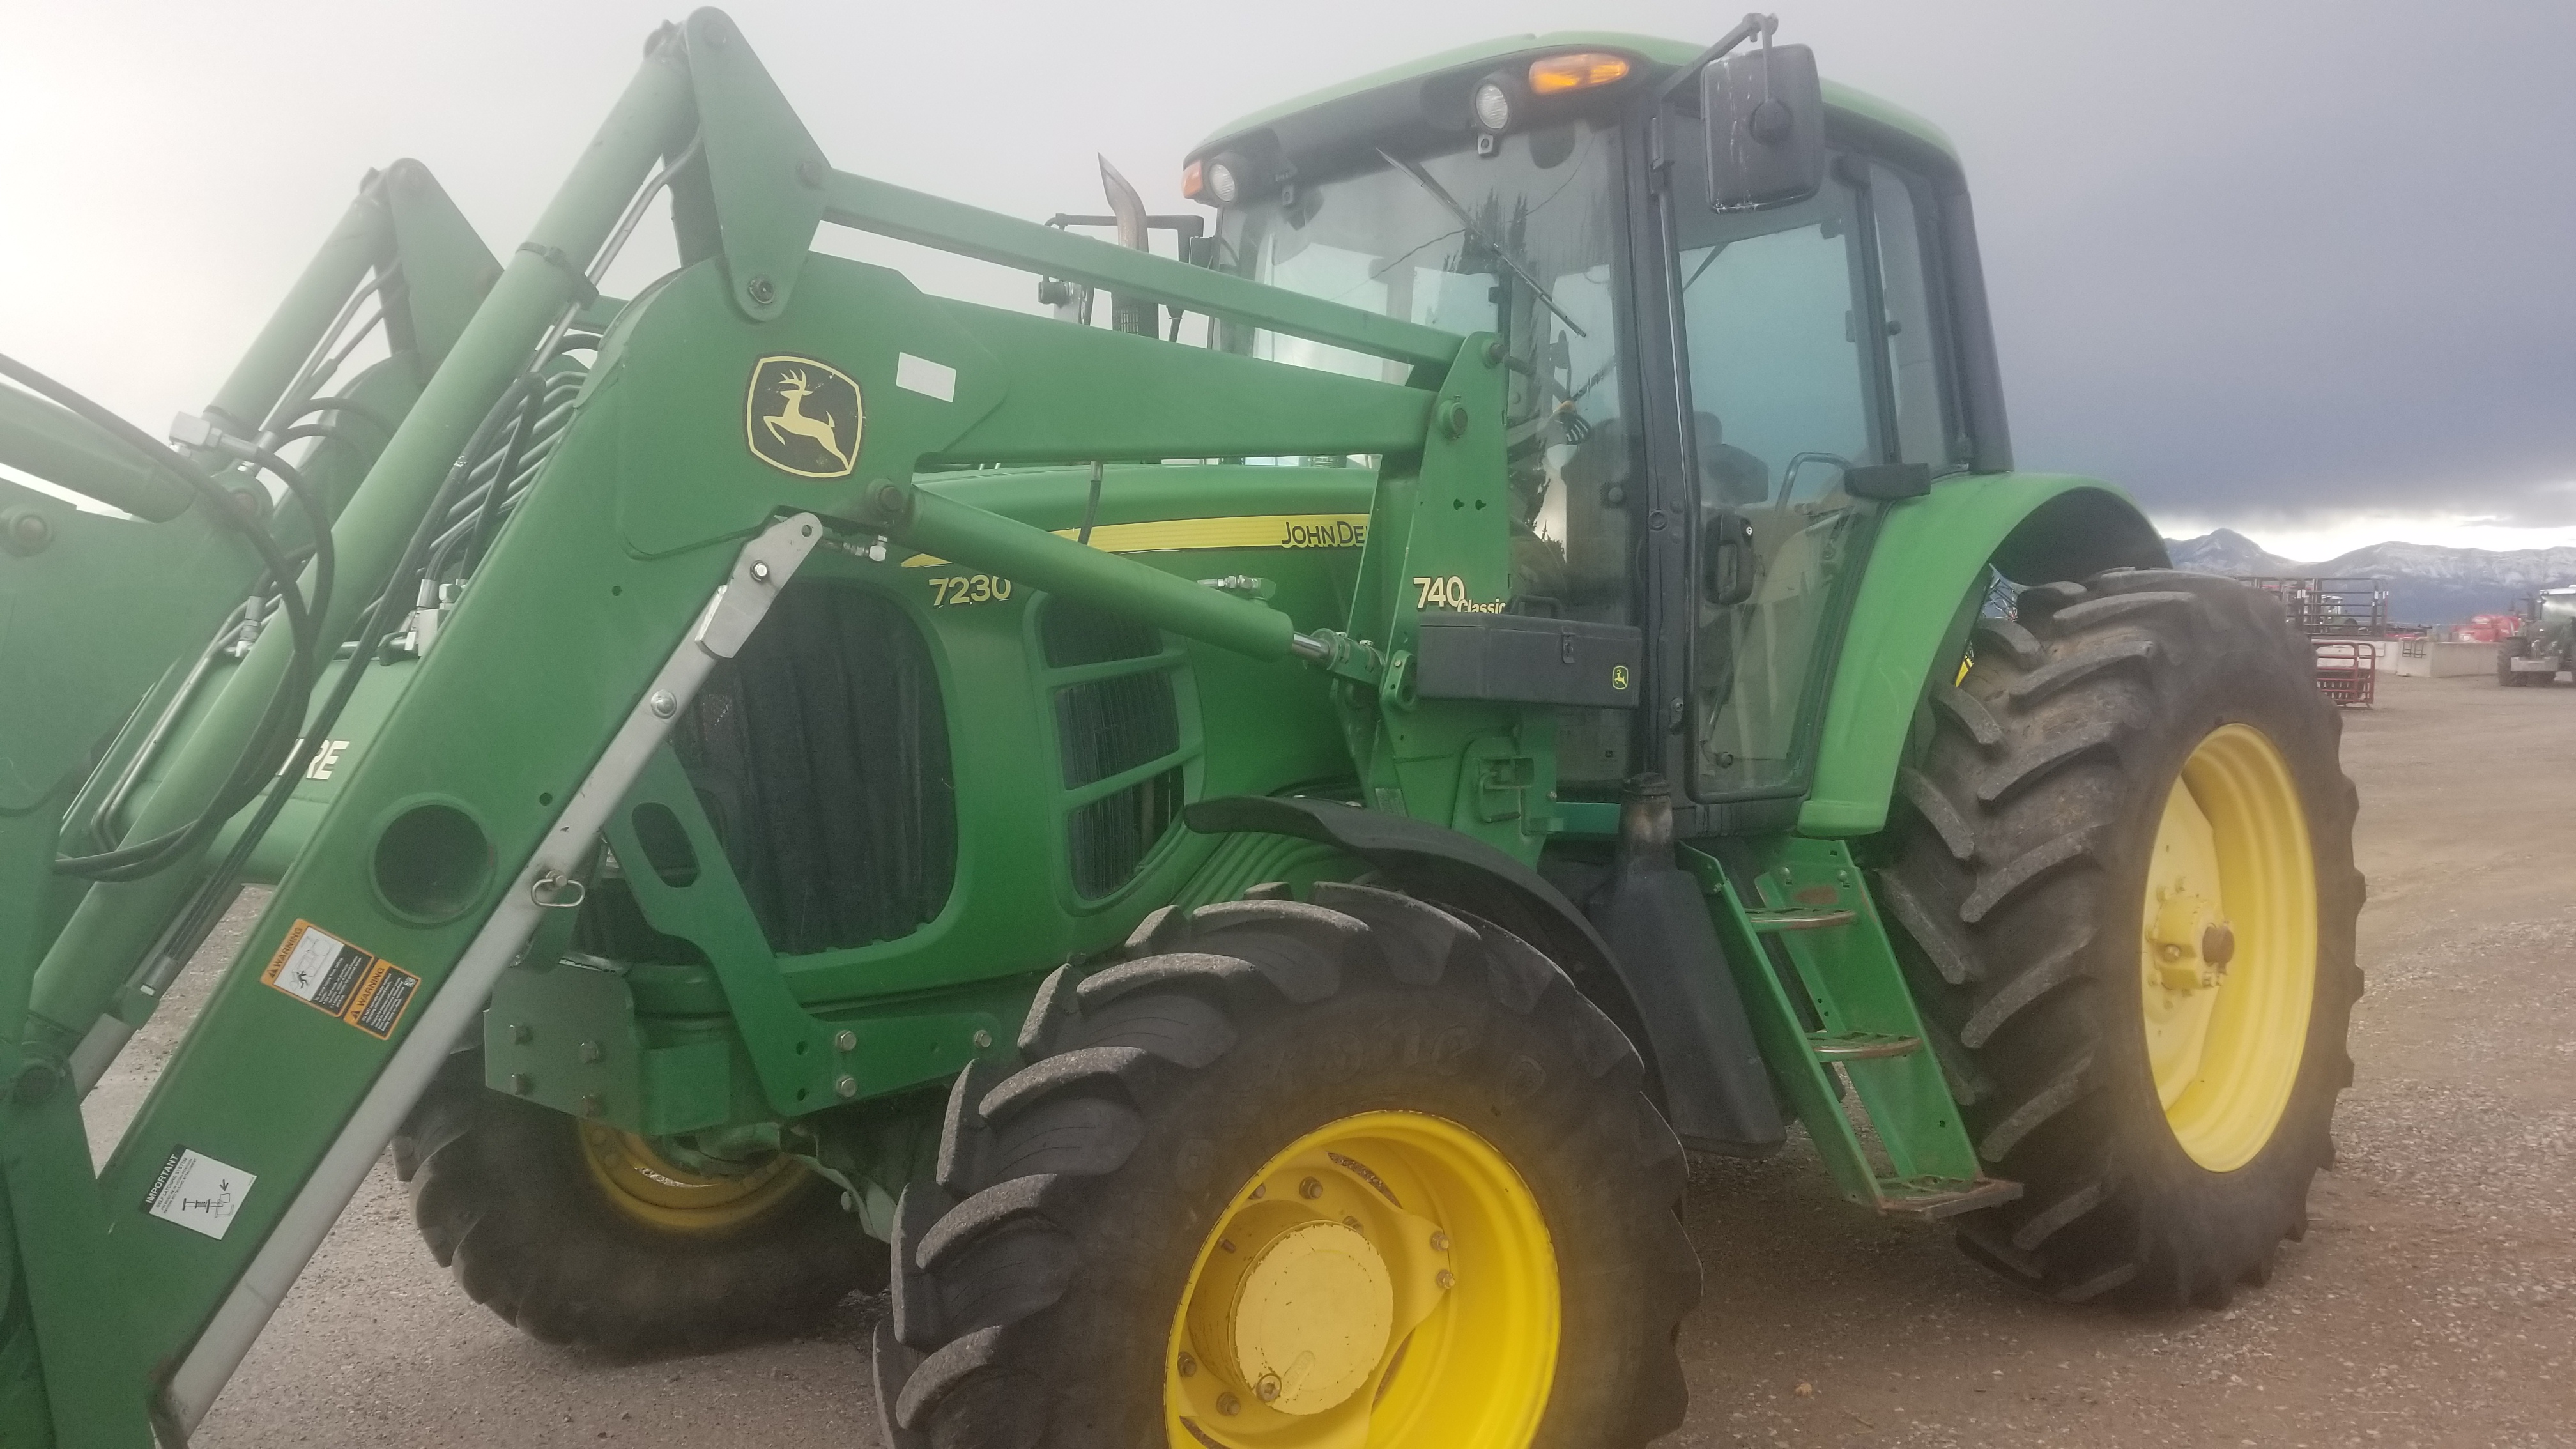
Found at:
[2347, 672]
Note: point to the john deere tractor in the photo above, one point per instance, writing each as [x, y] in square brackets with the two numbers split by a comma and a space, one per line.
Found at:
[2543, 644]
[1224, 858]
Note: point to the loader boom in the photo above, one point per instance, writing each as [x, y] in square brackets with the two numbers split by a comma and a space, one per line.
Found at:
[441, 850]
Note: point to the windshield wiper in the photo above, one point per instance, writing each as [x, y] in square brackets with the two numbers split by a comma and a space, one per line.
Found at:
[1477, 235]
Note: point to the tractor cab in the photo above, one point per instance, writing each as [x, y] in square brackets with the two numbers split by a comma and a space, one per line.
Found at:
[1706, 406]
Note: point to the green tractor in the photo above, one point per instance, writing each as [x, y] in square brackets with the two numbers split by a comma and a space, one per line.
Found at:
[2544, 645]
[1227, 875]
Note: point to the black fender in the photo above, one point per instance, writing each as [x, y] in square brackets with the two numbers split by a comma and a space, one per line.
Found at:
[1678, 1017]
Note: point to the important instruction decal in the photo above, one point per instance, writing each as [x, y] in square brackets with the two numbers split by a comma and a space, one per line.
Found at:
[330, 975]
[197, 1192]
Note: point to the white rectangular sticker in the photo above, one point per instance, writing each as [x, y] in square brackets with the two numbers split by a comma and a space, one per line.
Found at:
[928, 378]
[197, 1192]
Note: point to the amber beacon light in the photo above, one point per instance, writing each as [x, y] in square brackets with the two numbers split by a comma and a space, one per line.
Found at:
[1561, 73]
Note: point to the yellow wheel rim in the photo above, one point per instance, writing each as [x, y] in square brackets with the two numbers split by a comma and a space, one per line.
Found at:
[1387, 1279]
[2227, 948]
[651, 1189]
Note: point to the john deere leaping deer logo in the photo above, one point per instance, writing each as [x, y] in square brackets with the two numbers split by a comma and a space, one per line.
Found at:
[802, 417]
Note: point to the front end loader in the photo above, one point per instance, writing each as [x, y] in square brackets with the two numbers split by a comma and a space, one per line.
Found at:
[1226, 876]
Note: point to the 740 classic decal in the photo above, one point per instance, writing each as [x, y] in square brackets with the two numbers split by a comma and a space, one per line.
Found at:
[1450, 593]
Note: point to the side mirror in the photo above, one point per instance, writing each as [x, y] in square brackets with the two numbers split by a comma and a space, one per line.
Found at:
[1766, 128]
[1726, 558]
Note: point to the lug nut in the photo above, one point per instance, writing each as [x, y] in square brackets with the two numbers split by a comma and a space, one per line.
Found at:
[1268, 1388]
[1354, 1225]
[1310, 1189]
[1446, 1279]
[1439, 1242]
[1228, 1404]
[1189, 1367]
[2218, 945]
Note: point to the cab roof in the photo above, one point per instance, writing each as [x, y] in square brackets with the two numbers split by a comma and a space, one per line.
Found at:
[1661, 58]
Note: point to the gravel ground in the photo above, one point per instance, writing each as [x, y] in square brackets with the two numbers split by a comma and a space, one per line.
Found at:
[2433, 1303]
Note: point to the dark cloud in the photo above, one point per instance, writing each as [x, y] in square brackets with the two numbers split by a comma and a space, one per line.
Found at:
[2304, 260]
[2256, 257]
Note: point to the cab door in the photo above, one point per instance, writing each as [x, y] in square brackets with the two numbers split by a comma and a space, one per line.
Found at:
[1810, 360]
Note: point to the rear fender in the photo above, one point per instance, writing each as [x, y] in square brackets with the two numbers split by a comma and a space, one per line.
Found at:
[1930, 553]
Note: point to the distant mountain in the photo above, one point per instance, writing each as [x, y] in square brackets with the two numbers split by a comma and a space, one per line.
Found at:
[2427, 583]
[2229, 552]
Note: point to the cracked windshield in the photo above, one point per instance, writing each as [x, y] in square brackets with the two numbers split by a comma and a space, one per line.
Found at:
[1518, 243]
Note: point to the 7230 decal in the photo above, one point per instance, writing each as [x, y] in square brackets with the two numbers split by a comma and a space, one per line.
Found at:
[968, 589]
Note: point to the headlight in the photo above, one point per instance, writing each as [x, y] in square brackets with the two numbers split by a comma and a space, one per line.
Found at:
[1222, 183]
[1493, 105]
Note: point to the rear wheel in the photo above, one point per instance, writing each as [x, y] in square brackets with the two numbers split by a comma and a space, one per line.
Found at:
[1343, 1173]
[2129, 890]
[579, 1233]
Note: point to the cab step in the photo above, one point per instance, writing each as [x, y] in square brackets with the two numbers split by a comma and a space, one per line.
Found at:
[1860, 1046]
[1801, 918]
[1940, 1197]
[1836, 1021]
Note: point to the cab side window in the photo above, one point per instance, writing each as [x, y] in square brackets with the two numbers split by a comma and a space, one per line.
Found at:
[1922, 389]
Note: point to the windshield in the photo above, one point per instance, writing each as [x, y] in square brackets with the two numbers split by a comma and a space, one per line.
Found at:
[1470, 244]
[1521, 243]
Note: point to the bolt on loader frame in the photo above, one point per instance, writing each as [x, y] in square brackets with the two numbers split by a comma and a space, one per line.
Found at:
[506, 838]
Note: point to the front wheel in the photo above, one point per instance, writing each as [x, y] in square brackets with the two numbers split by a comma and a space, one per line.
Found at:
[2128, 889]
[579, 1233]
[2507, 651]
[1342, 1173]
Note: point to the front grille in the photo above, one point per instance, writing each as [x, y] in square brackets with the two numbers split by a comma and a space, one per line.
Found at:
[1108, 838]
[1107, 727]
[1072, 635]
[1113, 725]
[820, 754]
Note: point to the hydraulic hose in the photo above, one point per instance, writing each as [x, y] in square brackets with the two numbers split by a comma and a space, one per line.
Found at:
[286, 707]
[302, 615]
[214, 895]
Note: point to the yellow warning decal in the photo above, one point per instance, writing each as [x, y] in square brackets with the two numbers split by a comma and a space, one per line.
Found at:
[336, 978]
[1179, 535]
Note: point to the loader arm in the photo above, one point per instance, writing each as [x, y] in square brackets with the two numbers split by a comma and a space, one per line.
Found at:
[647, 550]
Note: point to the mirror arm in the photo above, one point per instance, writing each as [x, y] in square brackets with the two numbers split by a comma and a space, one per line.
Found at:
[1745, 29]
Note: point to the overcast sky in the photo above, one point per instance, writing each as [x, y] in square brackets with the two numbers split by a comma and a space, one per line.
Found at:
[2303, 268]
